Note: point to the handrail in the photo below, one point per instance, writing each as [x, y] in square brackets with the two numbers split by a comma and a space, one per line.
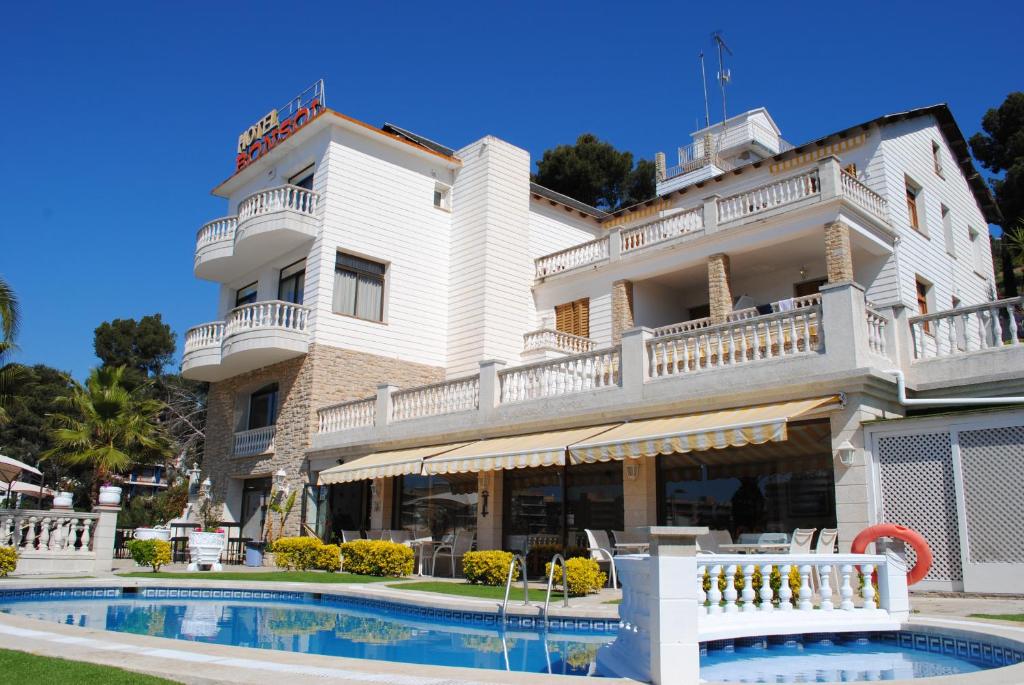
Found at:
[565, 585]
[508, 584]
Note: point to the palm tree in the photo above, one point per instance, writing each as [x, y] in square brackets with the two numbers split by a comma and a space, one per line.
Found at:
[108, 427]
[10, 373]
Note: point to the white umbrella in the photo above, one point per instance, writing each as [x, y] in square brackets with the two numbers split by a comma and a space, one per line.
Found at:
[11, 468]
[18, 487]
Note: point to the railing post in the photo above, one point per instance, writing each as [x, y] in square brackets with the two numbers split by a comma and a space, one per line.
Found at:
[383, 413]
[103, 537]
[899, 347]
[844, 324]
[892, 586]
[490, 386]
[615, 244]
[828, 177]
[634, 367]
[711, 213]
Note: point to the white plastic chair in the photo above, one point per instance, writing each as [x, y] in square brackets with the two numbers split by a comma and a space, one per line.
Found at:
[601, 551]
[826, 545]
[800, 543]
[460, 544]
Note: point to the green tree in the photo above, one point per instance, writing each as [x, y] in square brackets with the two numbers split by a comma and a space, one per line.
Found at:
[594, 172]
[108, 428]
[10, 373]
[27, 434]
[1000, 149]
[144, 347]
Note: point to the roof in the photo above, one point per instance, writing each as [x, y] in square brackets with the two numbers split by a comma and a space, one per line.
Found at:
[554, 196]
[947, 124]
[418, 139]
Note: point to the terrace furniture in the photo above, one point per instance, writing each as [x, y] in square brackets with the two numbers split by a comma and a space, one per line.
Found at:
[350, 535]
[600, 551]
[421, 546]
[400, 536]
[629, 543]
[456, 549]
[800, 543]
[375, 534]
[753, 547]
[826, 545]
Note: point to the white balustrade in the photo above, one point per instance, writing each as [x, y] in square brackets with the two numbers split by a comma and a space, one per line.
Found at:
[769, 196]
[347, 415]
[571, 258]
[663, 229]
[563, 376]
[462, 394]
[255, 441]
[968, 329]
[876, 325]
[216, 230]
[550, 339]
[204, 335]
[276, 199]
[39, 533]
[268, 314]
[769, 336]
[863, 196]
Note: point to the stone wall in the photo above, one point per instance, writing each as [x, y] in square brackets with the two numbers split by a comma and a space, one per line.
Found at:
[838, 257]
[326, 375]
[719, 287]
[622, 309]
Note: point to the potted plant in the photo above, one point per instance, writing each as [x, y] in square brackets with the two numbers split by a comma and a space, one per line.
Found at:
[206, 543]
[110, 495]
[262, 553]
[64, 498]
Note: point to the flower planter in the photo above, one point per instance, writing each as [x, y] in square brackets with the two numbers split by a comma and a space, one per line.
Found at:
[153, 534]
[63, 500]
[204, 551]
[110, 495]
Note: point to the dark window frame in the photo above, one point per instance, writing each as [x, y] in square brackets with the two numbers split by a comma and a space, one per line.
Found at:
[271, 392]
[255, 285]
[367, 274]
[299, 277]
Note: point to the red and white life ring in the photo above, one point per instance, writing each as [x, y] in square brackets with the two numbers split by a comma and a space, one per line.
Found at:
[911, 537]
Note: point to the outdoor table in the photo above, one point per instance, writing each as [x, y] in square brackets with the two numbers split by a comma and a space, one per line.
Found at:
[755, 547]
[632, 547]
[421, 545]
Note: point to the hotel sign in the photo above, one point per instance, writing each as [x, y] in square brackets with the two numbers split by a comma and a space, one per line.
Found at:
[278, 125]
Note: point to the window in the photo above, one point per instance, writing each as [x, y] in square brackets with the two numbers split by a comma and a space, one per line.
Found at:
[977, 253]
[913, 209]
[574, 317]
[442, 196]
[947, 230]
[807, 288]
[292, 282]
[923, 291]
[359, 287]
[263, 407]
[245, 295]
[937, 159]
[303, 179]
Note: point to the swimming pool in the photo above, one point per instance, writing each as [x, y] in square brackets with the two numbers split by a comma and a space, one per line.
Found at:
[335, 625]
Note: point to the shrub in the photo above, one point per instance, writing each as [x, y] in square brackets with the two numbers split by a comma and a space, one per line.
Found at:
[583, 575]
[327, 558]
[297, 553]
[488, 567]
[153, 553]
[8, 560]
[376, 558]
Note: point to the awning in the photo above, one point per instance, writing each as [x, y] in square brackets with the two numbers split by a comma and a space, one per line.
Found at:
[384, 464]
[694, 432]
[513, 452]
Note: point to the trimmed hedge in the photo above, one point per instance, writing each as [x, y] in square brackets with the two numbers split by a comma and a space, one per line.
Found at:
[8, 560]
[377, 558]
[305, 553]
[583, 575]
[152, 553]
[488, 567]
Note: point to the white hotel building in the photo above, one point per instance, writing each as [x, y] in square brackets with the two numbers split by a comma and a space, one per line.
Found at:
[421, 338]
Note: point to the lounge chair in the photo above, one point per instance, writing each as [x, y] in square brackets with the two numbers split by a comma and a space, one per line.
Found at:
[601, 551]
[800, 543]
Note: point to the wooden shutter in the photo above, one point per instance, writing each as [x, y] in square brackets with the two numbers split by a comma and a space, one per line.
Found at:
[922, 304]
[574, 317]
[912, 207]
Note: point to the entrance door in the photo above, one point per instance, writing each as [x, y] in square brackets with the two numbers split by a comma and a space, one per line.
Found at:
[255, 493]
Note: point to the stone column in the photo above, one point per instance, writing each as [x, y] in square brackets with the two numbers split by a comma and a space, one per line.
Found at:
[488, 528]
[639, 493]
[719, 287]
[622, 309]
[103, 537]
[380, 506]
[838, 257]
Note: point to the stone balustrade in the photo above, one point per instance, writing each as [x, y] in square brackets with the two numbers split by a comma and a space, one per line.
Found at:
[347, 415]
[558, 341]
[267, 314]
[217, 230]
[769, 196]
[286, 197]
[449, 397]
[565, 376]
[863, 196]
[204, 335]
[55, 531]
[667, 228]
[255, 441]
[968, 329]
[574, 257]
[876, 325]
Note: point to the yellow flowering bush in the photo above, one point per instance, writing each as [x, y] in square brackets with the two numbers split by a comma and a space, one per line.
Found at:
[298, 553]
[583, 575]
[327, 558]
[377, 558]
[740, 582]
[8, 560]
[152, 553]
[488, 567]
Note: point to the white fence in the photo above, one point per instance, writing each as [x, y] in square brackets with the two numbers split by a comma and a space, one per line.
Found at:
[204, 335]
[276, 199]
[968, 329]
[572, 258]
[56, 532]
[663, 229]
[268, 314]
[255, 441]
[462, 394]
[563, 376]
[876, 325]
[550, 339]
[769, 196]
[863, 196]
[216, 230]
[347, 415]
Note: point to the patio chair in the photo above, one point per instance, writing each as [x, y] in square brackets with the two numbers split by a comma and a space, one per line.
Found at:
[376, 534]
[601, 551]
[826, 545]
[400, 536]
[350, 535]
[460, 544]
[622, 537]
[800, 543]
[709, 542]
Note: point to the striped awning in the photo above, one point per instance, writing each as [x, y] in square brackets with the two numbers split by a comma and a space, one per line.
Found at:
[384, 464]
[513, 452]
[694, 432]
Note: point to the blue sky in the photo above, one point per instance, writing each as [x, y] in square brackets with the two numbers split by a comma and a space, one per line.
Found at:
[122, 117]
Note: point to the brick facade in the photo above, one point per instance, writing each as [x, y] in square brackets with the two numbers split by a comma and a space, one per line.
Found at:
[622, 309]
[838, 257]
[326, 375]
[719, 287]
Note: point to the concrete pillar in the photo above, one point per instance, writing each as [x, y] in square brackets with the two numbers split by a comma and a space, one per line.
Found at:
[719, 287]
[490, 386]
[622, 309]
[382, 494]
[383, 409]
[675, 644]
[103, 537]
[838, 256]
[710, 213]
[844, 326]
[639, 493]
[488, 526]
[635, 367]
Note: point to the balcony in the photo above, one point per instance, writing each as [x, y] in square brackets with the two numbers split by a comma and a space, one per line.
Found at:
[253, 336]
[826, 183]
[250, 443]
[270, 223]
[548, 343]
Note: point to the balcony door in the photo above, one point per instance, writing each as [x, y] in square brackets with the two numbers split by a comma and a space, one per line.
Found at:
[292, 283]
[263, 407]
[255, 495]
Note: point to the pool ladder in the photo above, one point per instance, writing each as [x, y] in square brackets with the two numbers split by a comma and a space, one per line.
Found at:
[519, 559]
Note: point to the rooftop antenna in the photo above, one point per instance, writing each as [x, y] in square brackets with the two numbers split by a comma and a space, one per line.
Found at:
[704, 81]
[724, 75]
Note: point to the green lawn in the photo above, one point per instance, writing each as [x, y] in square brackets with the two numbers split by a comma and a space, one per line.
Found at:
[1001, 617]
[481, 591]
[274, 576]
[20, 667]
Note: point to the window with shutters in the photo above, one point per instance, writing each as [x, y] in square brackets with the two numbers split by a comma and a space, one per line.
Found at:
[923, 292]
[574, 317]
[914, 216]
